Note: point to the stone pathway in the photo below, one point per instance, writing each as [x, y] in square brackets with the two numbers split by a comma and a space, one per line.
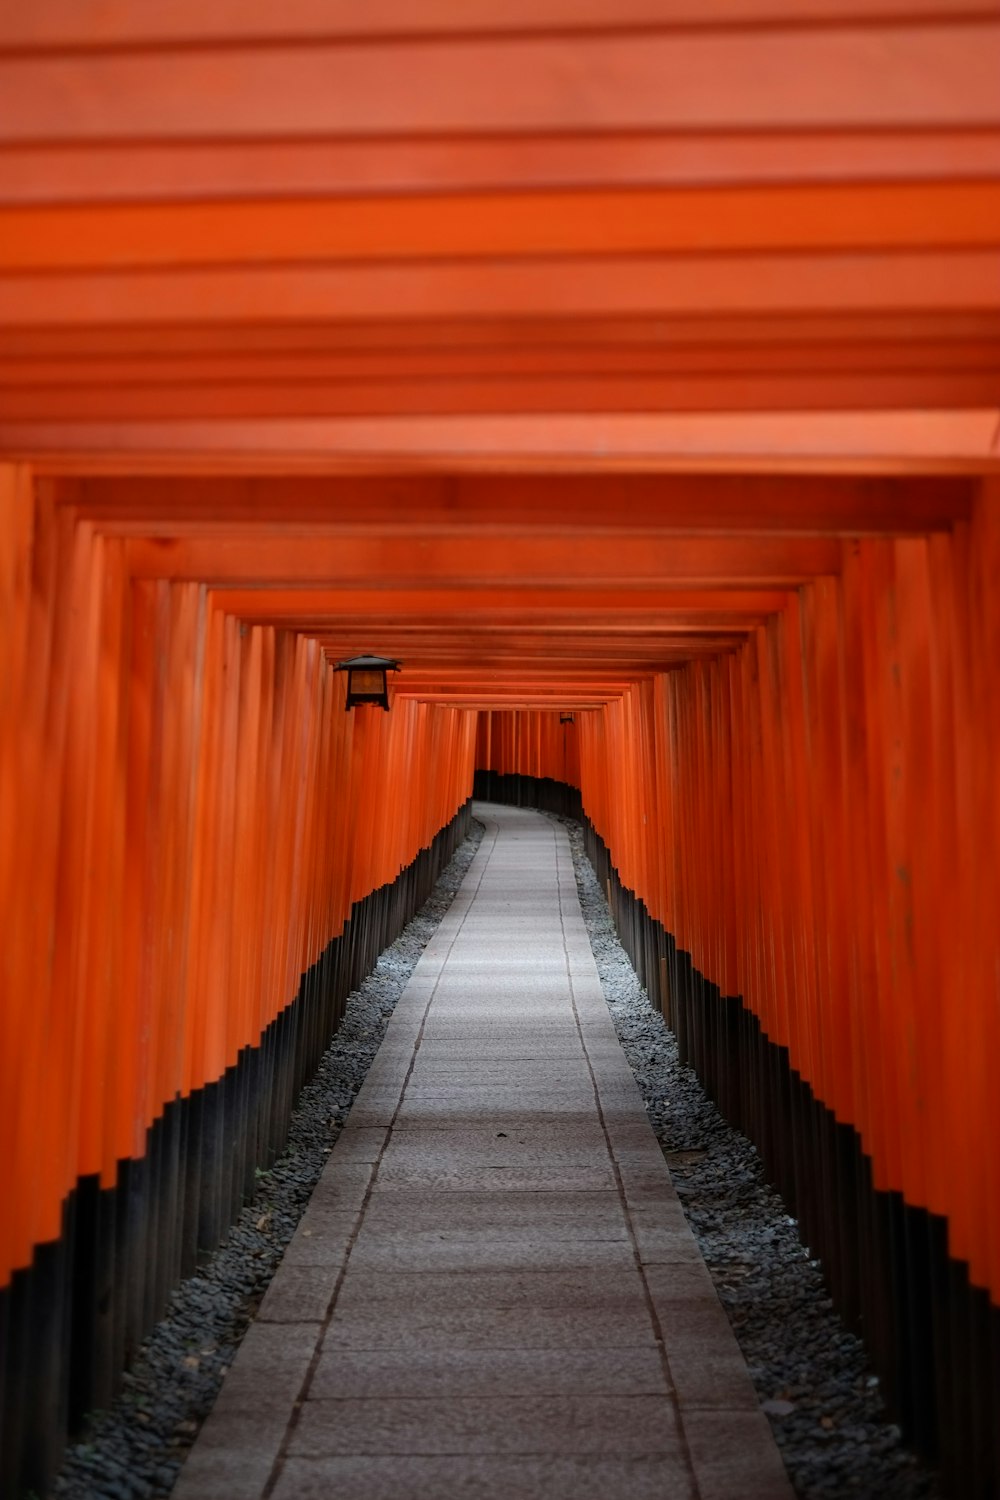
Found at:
[493, 1292]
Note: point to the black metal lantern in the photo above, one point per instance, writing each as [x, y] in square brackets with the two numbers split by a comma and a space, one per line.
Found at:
[366, 679]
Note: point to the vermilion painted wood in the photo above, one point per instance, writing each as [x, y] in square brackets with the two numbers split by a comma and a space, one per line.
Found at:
[20, 746]
[530, 561]
[941, 74]
[884, 441]
[414, 337]
[380, 370]
[576, 606]
[168, 840]
[551, 329]
[637, 222]
[532, 743]
[834, 879]
[142, 669]
[804, 503]
[66, 24]
[793, 393]
[762, 283]
[204, 171]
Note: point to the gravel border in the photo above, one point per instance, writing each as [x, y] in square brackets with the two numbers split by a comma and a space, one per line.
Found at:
[812, 1375]
[134, 1451]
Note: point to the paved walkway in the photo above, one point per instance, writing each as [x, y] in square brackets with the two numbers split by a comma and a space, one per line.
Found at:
[493, 1292]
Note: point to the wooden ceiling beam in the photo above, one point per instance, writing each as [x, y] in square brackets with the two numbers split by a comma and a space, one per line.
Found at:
[522, 647]
[516, 561]
[852, 282]
[431, 226]
[607, 627]
[794, 78]
[207, 171]
[90, 24]
[909, 441]
[252, 368]
[802, 504]
[578, 335]
[929, 388]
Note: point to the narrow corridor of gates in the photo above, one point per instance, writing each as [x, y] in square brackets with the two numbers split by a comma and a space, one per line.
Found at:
[493, 1290]
[628, 371]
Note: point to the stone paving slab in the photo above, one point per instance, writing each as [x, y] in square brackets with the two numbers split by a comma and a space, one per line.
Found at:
[458, 1149]
[400, 1325]
[502, 1176]
[427, 1291]
[633, 1425]
[434, 1251]
[430, 1114]
[490, 1372]
[595, 1215]
[491, 1477]
[493, 1291]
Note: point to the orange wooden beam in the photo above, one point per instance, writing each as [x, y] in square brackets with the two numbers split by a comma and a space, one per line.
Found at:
[520, 561]
[489, 504]
[148, 171]
[829, 216]
[792, 392]
[774, 284]
[793, 79]
[166, 369]
[569, 604]
[86, 24]
[888, 442]
[796, 331]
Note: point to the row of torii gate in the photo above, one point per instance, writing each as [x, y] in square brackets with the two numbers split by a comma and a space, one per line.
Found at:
[637, 364]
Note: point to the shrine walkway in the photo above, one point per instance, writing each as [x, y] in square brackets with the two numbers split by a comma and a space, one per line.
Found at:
[493, 1291]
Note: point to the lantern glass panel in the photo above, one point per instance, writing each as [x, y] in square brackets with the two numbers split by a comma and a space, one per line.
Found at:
[367, 682]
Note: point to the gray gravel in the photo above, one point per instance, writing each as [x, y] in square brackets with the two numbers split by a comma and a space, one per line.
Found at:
[811, 1374]
[135, 1450]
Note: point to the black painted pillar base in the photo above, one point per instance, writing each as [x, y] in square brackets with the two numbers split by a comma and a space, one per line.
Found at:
[540, 792]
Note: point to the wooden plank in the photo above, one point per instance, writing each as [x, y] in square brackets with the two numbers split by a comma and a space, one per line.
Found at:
[828, 78]
[793, 393]
[362, 367]
[92, 24]
[794, 330]
[581, 607]
[606, 286]
[687, 502]
[477, 225]
[186, 172]
[515, 561]
[903, 442]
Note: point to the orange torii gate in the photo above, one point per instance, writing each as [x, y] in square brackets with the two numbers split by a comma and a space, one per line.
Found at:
[628, 362]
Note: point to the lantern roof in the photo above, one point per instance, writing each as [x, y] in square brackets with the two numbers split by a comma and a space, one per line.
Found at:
[372, 663]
